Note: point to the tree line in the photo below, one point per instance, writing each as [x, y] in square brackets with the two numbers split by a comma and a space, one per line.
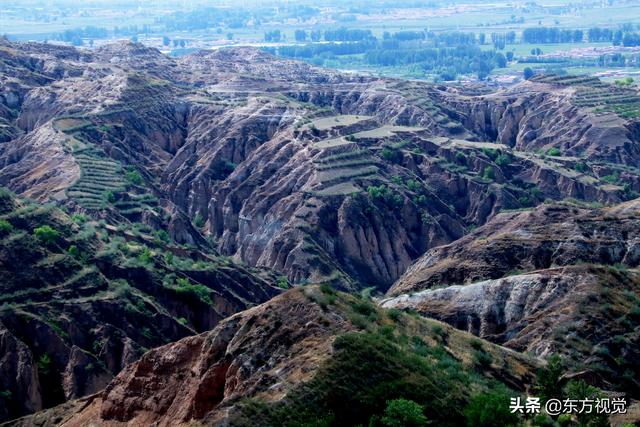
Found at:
[623, 36]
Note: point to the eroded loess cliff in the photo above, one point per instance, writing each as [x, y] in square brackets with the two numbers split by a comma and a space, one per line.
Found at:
[559, 279]
[322, 176]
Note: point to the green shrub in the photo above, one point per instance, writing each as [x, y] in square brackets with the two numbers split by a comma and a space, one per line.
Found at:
[73, 251]
[613, 178]
[503, 160]
[133, 176]
[482, 359]
[394, 314]
[414, 185]
[363, 307]
[327, 289]
[46, 234]
[528, 73]
[184, 286]
[368, 370]
[283, 282]
[476, 344]
[488, 173]
[403, 413]
[163, 236]
[109, 197]
[440, 332]
[553, 151]
[169, 258]
[5, 227]
[78, 218]
[421, 200]
[634, 314]
[491, 153]
[384, 194]
[44, 364]
[146, 332]
[581, 167]
[580, 390]
[145, 256]
[388, 153]
[564, 420]
[198, 221]
[490, 410]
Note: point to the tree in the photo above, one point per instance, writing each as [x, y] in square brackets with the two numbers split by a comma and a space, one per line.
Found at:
[580, 390]
[46, 234]
[403, 413]
[316, 35]
[165, 41]
[272, 36]
[528, 73]
[549, 380]
[300, 35]
[490, 410]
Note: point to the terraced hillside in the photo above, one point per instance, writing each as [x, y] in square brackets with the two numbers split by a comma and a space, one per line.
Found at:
[603, 97]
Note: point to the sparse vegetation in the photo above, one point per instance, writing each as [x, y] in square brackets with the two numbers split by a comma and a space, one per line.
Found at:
[386, 195]
[378, 378]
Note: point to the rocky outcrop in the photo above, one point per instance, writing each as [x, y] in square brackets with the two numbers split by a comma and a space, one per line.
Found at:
[19, 377]
[262, 351]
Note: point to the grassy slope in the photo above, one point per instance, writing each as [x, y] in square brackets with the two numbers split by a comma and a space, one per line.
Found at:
[91, 286]
[392, 355]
